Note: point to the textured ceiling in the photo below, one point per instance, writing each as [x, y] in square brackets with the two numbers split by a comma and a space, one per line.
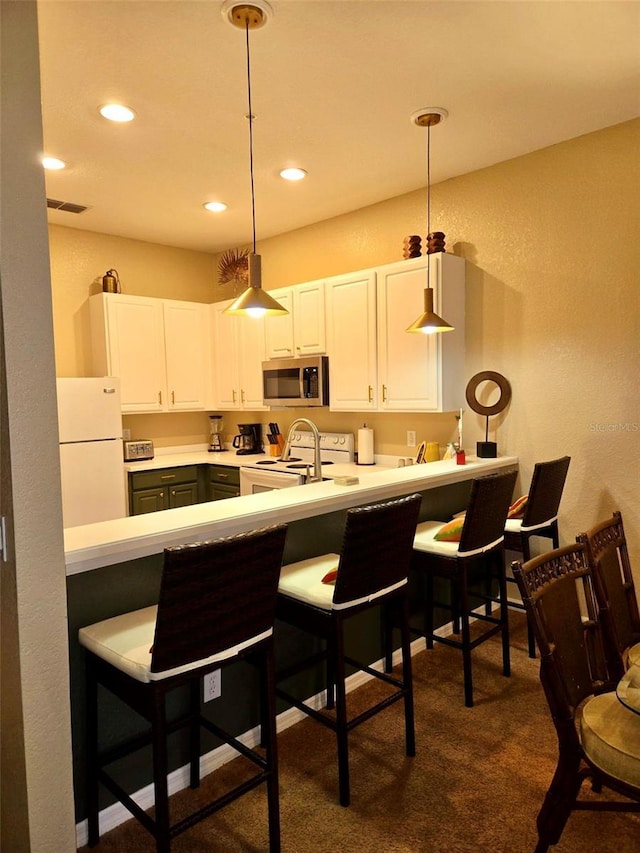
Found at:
[334, 85]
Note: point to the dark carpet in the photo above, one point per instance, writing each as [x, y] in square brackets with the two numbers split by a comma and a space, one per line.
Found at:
[476, 783]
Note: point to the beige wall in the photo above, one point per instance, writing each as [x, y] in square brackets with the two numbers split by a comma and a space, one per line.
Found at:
[552, 303]
[36, 793]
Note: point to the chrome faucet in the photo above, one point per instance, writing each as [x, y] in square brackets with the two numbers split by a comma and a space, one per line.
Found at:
[317, 464]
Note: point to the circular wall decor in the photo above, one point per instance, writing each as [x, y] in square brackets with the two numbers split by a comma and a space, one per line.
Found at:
[488, 376]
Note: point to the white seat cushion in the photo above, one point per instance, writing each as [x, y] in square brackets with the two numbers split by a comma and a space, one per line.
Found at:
[610, 735]
[513, 525]
[303, 581]
[125, 642]
[424, 541]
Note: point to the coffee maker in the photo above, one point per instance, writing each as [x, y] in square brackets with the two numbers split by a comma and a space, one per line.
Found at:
[249, 439]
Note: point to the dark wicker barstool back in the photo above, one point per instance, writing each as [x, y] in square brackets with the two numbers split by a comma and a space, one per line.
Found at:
[540, 518]
[484, 519]
[558, 592]
[201, 589]
[613, 580]
[376, 548]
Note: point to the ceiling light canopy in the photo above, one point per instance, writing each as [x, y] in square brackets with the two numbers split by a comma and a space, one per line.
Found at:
[429, 323]
[117, 112]
[293, 174]
[254, 302]
[52, 163]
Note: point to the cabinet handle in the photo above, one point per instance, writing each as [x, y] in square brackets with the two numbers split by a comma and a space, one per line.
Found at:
[384, 393]
[370, 393]
[234, 396]
[161, 494]
[173, 492]
[173, 398]
[282, 349]
[167, 476]
[160, 397]
[223, 476]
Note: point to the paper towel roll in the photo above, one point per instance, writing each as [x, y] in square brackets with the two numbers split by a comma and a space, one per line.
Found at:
[365, 446]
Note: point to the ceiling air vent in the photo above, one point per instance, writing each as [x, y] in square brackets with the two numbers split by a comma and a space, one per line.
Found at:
[54, 204]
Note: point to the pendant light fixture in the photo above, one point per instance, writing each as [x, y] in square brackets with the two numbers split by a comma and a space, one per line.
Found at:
[429, 323]
[254, 302]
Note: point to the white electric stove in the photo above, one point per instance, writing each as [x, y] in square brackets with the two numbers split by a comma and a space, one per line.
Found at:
[268, 474]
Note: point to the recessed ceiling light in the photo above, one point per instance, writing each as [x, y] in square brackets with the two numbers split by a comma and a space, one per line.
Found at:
[293, 174]
[53, 163]
[117, 112]
[215, 206]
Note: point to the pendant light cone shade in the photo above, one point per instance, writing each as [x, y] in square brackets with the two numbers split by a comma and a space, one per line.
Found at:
[254, 302]
[429, 323]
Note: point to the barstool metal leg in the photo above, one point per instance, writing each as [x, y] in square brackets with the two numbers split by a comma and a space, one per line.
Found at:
[269, 737]
[407, 679]
[160, 774]
[194, 733]
[341, 715]
[92, 755]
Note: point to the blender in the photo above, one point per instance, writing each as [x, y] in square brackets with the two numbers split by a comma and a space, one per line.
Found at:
[215, 437]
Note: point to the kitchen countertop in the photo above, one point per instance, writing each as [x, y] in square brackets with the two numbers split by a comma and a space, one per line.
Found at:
[106, 543]
[230, 458]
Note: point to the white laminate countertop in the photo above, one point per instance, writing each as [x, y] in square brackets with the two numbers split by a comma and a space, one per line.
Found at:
[106, 543]
[204, 457]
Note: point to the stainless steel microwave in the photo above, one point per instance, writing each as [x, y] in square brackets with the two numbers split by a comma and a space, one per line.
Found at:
[296, 382]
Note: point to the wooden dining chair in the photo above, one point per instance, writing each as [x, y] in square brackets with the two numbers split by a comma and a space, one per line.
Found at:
[216, 606]
[320, 594]
[539, 518]
[606, 546]
[598, 737]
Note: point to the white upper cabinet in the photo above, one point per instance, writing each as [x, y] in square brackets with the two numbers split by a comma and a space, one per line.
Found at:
[351, 342]
[374, 363]
[186, 340]
[420, 373]
[302, 330]
[159, 348]
[238, 353]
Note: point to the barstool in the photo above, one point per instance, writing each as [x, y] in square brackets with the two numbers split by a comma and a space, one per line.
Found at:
[318, 595]
[216, 605]
[540, 518]
[465, 558]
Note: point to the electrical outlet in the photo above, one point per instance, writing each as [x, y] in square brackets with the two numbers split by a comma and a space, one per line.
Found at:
[126, 434]
[411, 438]
[212, 685]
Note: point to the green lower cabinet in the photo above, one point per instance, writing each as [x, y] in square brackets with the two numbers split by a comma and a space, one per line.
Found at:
[224, 482]
[164, 488]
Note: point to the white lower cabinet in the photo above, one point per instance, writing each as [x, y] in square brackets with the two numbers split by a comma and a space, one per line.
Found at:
[238, 353]
[158, 347]
[374, 363]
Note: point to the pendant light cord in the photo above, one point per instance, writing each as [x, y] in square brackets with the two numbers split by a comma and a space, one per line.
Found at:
[250, 117]
[428, 200]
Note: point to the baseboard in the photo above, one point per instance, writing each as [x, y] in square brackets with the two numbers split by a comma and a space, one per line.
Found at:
[178, 780]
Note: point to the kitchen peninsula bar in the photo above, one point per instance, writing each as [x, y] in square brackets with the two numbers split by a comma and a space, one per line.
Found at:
[115, 566]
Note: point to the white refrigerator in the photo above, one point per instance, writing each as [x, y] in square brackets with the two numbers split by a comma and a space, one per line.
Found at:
[91, 461]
